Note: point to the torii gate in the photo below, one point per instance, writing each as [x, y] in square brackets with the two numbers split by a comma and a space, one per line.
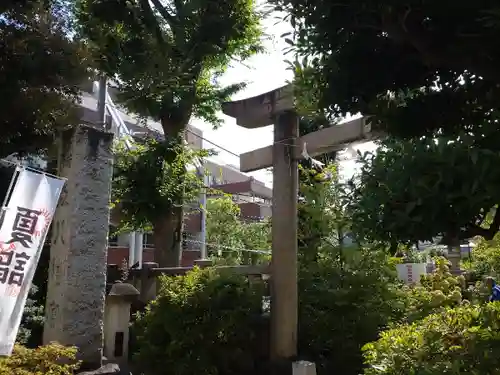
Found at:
[277, 107]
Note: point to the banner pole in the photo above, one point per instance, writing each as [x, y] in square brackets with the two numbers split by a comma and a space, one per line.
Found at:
[11, 185]
[19, 165]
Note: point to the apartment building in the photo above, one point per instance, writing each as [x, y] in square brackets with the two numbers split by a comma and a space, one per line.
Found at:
[253, 196]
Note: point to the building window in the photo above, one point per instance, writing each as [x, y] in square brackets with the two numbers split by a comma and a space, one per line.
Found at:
[148, 242]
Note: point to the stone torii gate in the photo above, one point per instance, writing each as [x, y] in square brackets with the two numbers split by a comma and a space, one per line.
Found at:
[277, 107]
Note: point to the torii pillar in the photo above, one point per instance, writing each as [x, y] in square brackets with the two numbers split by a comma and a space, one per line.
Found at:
[277, 107]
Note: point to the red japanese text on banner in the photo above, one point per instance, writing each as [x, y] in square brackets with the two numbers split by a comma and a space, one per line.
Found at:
[25, 224]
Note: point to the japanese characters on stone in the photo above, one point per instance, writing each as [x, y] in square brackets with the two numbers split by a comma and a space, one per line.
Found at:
[13, 260]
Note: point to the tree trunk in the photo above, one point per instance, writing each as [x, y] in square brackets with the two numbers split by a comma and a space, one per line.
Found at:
[167, 228]
[167, 237]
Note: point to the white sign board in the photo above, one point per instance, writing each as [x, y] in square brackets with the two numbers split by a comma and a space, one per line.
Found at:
[26, 220]
[410, 272]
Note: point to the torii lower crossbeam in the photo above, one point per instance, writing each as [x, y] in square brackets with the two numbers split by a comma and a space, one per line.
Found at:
[333, 138]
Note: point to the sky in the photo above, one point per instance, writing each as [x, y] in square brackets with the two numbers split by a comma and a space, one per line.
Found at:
[264, 72]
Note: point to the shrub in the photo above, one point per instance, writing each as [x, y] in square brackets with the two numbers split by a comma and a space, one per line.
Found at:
[437, 290]
[461, 340]
[485, 259]
[343, 304]
[53, 359]
[207, 322]
[31, 328]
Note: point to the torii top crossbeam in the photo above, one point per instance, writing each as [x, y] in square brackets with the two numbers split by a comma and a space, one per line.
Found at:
[261, 110]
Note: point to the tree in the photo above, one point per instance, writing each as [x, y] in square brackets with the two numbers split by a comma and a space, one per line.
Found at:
[40, 70]
[415, 67]
[420, 189]
[167, 57]
[146, 181]
[228, 236]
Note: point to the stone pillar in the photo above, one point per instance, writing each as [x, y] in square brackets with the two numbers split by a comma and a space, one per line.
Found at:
[117, 320]
[74, 312]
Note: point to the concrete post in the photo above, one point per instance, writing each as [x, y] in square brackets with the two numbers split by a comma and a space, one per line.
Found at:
[74, 312]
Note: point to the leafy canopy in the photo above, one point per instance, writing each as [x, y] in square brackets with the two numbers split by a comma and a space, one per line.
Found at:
[418, 189]
[169, 55]
[417, 67]
[166, 58]
[149, 179]
[40, 70]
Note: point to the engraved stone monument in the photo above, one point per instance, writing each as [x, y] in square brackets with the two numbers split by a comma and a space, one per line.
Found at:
[74, 312]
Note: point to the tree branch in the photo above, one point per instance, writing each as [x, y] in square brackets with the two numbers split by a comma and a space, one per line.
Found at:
[151, 20]
[486, 233]
[164, 13]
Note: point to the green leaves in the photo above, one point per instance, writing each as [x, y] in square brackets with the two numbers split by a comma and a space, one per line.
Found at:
[412, 67]
[40, 71]
[168, 55]
[485, 259]
[463, 340]
[419, 189]
[228, 235]
[205, 306]
[150, 178]
[343, 304]
[341, 308]
[166, 58]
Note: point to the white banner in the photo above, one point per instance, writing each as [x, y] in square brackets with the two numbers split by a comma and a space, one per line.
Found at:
[25, 224]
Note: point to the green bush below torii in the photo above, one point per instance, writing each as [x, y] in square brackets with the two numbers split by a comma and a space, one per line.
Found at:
[217, 318]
